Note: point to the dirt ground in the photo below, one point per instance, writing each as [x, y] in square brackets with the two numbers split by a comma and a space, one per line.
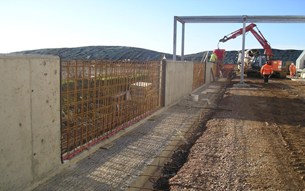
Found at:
[255, 141]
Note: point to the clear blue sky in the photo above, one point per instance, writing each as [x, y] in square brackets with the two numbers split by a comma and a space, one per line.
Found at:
[36, 24]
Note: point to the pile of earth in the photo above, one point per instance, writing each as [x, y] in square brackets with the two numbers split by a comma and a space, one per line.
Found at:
[140, 54]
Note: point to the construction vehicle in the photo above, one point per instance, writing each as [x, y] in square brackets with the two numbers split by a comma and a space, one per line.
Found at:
[252, 68]
[249, 57]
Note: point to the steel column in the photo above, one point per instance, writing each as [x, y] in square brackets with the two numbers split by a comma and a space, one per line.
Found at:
[175, 38]
[243, 53]
[182, 42]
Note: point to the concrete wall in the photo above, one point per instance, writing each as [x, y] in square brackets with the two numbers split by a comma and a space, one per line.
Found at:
[179, 80]
[30, 119]
[210, 72]
[30, 139]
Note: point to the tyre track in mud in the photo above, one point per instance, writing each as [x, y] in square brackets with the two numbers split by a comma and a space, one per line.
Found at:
[292, 128]
[294, 134]
[255, 143]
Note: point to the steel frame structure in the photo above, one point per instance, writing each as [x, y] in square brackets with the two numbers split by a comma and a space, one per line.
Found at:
[229, 19]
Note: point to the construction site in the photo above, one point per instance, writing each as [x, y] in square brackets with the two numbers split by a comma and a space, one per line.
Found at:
[93, 124]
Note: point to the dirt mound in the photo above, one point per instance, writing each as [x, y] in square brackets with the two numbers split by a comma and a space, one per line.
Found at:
[140, 54]
[102, 53]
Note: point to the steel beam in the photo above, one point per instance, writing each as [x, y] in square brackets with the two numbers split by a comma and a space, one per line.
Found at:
[240, 19]
[231, 19]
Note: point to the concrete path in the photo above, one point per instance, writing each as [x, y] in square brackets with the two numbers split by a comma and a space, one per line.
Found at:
[119, 165]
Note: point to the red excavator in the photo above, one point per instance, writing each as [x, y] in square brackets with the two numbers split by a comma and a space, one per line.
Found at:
[254, 68]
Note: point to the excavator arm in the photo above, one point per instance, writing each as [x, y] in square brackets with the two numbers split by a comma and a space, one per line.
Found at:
[258, 35]
[237, 33]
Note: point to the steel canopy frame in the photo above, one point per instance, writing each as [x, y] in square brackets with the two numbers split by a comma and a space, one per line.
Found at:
[229, 19]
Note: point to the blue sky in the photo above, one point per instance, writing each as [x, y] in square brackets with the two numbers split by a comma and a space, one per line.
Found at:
[36, 24]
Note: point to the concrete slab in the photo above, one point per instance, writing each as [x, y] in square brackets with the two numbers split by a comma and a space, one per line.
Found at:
[241, 85]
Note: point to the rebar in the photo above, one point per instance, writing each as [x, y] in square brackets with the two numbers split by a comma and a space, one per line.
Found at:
[99, 98]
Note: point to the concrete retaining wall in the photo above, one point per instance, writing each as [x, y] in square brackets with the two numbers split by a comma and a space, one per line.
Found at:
[210, 72]
[30, 139]
[179, 80]
[30, 119]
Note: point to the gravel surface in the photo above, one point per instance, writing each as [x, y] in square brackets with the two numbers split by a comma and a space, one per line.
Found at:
[255, 141]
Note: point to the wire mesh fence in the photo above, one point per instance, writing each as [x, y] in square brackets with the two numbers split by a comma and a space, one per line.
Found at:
[99, 98]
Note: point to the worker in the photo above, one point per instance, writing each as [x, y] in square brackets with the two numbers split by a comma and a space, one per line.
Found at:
[213, 57]
[266, 71]
[292, 70]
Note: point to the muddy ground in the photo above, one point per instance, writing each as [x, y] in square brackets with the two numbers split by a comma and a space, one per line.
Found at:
[255, 141]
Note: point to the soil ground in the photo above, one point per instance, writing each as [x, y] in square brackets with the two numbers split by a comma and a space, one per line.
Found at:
[255, 141]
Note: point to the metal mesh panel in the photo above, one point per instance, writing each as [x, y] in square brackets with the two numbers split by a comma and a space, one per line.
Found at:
[99, 98]
[198, 75]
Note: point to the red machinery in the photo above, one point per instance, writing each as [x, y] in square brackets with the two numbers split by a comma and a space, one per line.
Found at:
[258, 35]
[276, 64]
